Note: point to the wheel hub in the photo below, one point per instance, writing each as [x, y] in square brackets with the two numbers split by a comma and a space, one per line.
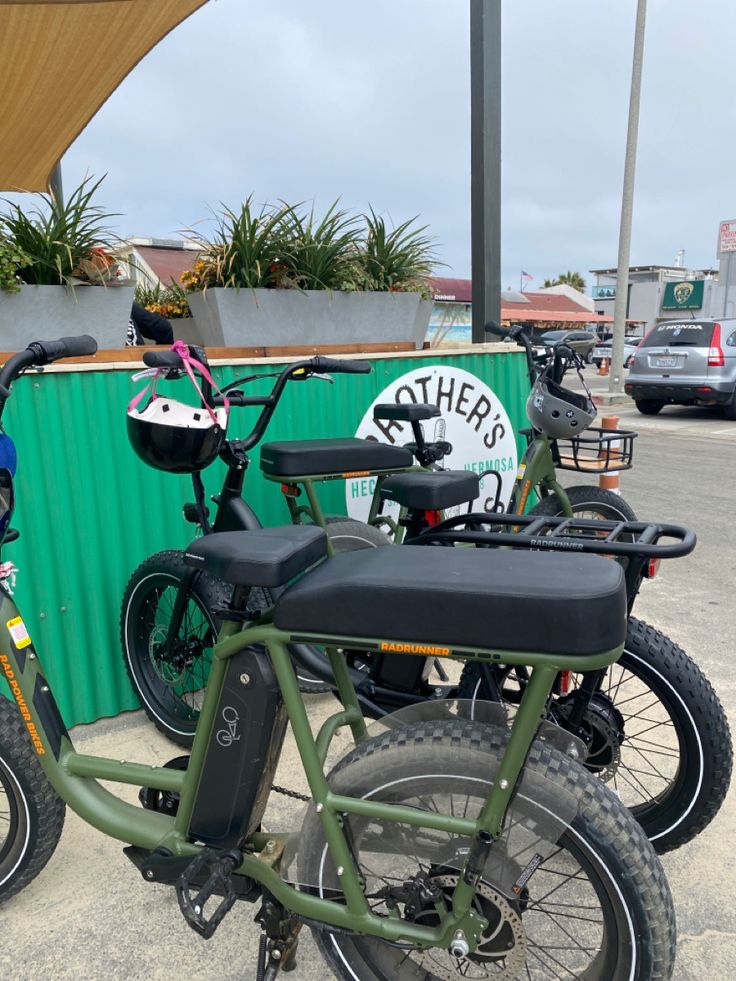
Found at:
[501, 950]
[172, 669]
[602, 730]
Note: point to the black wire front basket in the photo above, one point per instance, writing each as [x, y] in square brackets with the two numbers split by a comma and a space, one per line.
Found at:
[596, 451]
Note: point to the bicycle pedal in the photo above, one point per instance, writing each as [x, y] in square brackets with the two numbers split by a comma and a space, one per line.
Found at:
[220, 867]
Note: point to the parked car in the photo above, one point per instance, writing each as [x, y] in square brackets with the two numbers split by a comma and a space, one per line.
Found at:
[605, 350]
[685, 362]
[582, 341]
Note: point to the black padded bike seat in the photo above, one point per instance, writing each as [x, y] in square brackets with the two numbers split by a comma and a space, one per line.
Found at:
[431, 490]
[465, 598]
[405, 411]
[264, 557]
[304, 457]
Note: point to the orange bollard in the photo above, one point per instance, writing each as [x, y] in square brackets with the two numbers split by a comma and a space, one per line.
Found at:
[611, 481]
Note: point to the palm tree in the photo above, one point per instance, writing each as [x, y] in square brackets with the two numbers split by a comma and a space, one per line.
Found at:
[568, 278]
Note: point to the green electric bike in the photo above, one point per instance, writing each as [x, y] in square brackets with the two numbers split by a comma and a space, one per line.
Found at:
[440, 847]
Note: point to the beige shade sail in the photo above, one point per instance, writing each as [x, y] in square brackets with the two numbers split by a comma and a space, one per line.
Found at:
[59, 62]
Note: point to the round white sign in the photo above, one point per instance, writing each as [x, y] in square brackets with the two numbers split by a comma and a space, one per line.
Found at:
[472, 419]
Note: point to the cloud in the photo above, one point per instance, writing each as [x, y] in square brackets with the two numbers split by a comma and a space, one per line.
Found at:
[370, 103]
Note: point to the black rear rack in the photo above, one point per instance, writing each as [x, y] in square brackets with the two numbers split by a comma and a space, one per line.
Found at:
[646, 540]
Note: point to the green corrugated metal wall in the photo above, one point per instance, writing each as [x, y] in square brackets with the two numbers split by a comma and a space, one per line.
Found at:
[89, 511]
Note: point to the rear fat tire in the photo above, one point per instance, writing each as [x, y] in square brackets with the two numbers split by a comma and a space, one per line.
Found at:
[593, 501]
[31, 812]
[173, 715]
[629, 879]
[704, 739]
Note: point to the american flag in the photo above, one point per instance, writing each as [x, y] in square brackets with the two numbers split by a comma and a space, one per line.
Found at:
[525, 276]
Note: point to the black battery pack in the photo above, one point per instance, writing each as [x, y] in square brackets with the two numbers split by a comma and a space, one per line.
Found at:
[243, 753]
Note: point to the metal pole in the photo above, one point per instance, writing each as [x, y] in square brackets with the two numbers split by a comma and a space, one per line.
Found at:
[615, 381]
[485, 162]
[55, 185]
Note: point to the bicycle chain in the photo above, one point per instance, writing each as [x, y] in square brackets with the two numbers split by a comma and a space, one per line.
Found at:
[291, 793]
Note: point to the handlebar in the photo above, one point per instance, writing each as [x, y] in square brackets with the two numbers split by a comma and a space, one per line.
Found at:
[334, 366]
[40, 353]
[560, 534]
[298, 371]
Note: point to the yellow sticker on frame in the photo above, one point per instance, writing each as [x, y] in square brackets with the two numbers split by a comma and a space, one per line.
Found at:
[21, 637]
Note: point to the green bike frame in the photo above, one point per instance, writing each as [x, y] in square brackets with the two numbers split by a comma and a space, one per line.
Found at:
[75, 776]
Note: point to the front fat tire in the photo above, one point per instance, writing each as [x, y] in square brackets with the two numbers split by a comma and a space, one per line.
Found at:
[31, 812]
[591, 502]
[604, 839]
[172, 707]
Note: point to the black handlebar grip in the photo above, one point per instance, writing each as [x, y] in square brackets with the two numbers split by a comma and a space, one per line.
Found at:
[162, 359]
[322, 366]
[493, 328]
[64, 347]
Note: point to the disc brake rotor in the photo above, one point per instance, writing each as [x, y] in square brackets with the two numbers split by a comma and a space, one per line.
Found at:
[501, 951]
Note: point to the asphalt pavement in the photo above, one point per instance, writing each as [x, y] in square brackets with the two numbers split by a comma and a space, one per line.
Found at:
[90, 916]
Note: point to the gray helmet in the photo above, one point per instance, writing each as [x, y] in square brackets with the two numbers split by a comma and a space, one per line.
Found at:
[557, 411]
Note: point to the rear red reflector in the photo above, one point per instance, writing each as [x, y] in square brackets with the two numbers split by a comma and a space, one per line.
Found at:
[652, 568]
[703, 388]
[433, 517]
[565, 682]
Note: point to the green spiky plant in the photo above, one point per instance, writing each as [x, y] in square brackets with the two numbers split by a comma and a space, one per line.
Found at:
[248, 249]
[320, 254]
[398, 259]
[59, 237]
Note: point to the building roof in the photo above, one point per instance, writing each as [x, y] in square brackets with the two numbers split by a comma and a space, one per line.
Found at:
[544, 306]
[167, 263]
[637, 269]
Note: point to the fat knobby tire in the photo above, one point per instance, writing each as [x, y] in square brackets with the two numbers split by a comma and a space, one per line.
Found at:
[609, 506]
[708, 732]
[28, 841]
[704, 773]
[208, 593]
[602, 826]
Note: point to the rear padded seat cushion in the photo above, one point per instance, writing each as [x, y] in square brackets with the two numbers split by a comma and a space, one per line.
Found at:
[264, 557]
[317, 456]
[431, 490]
[466, 598]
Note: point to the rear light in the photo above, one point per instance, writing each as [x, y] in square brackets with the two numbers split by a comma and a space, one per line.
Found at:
[704, 388]
[565, 682]
[433, 518]
[715, 354]
[652, 568]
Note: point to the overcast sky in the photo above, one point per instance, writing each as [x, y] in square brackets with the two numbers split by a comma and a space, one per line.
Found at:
[370, 102]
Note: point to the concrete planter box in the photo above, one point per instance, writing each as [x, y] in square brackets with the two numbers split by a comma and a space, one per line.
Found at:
[185, 329]
[245, 317]
[47, 312]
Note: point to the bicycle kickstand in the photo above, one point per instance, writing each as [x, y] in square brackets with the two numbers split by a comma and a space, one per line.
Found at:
[278, 942]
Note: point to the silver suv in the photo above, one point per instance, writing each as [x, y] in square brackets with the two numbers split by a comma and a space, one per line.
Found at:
[685, 362]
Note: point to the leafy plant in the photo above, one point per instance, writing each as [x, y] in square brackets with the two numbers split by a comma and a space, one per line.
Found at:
[11, 260]
[248, 249]
[319, 255]
[63, 240]
[287, 248]
[398, 259]
[169, 301]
